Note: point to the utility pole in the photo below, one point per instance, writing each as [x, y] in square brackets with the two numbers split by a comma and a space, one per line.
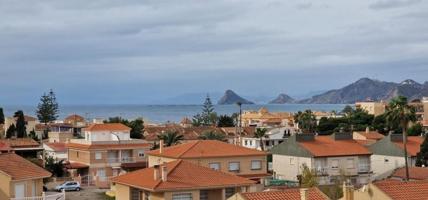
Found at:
[240, 122]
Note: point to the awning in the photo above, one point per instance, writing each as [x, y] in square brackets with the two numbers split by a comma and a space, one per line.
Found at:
[136, 165]
[76, 165]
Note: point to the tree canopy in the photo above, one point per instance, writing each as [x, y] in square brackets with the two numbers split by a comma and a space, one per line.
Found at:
[212, 135]
[306, 121]
[225, 121]
[170, 137]
[207, 117]
[47, 110]
[21, 129]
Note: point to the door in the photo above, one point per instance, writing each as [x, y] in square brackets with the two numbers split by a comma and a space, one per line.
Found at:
[101, 173]
[19, 190]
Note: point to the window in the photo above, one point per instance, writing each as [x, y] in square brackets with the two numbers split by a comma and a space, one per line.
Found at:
[291, 161]
[203, 195]
[234, 166]
[335, 164]
[350, 163]
[141, 153]
[77, 154]
[251, 142]
[246, 142]
[215, 166]
[230, 192]
[386, 159]
[256, 164]
[182, 196]
[135, 194]
[98, 155]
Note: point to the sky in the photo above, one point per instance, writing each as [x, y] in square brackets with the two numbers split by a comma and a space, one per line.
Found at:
[143, 52]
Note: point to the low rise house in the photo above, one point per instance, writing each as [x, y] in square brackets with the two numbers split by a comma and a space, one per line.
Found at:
[179, 180]
[272, 137]
[77, 123]
[30, 123]
[228, 158]
[56, 150]
[25, 147]
[5, 148]
[264, 118]
[372, 107]
[19, 177]
[289, 194]
[105, 151]
[367, 137]
[388, 154]
[415, 173]
[329, 156]
[151, 133]
[391, 190]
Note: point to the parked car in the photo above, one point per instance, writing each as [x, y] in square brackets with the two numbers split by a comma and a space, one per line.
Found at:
[69, 185]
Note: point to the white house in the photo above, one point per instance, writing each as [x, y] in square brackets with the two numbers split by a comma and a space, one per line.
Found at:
[57, 150]
[273, 137]
[329, 156]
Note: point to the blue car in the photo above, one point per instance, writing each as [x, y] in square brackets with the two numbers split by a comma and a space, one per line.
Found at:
[68, 186]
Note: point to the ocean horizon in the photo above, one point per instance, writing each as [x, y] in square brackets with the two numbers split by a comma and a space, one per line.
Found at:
[162, 113]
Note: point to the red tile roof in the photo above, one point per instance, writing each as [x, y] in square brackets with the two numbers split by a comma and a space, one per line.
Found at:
[74, 118]
[413, 144]
[417, 173]
[181, 175]
[107, 127]
[206, 148]
[189, 133]
[20, 142]
[372, 135]
[57, 146]
[19, 168]
[411, 190]
[4, 147]
[289, 194]
[323, 146]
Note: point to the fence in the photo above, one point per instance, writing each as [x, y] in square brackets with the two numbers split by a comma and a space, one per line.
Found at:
[57, 196]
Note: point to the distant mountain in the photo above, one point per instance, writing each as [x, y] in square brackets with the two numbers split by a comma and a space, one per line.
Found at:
[369, 89]
[231, 97]
[282, 99]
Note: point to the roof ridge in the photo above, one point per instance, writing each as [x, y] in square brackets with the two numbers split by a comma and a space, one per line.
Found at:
[197, 142]
[168, 172]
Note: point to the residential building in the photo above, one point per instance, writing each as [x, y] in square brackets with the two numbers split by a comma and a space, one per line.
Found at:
[19, 177]
[5, 148]
[77, 122]
[330, 156]
[372, 107]
[56, 150]
[388, 154]
[228, 158]
[105, 151]
[189, 133]
[264, 118]
[273, 136]
[415, 173]
[30, 123]
[289, 194]
[179, 180]
[390, 190]
[25, 147]
[367, 137]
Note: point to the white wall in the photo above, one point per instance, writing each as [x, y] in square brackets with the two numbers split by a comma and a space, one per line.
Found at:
[382, 169]
[288, 167]
[106, 136]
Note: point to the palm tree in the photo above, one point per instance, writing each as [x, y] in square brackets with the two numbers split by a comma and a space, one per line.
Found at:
[212, 135]
[260, 133]
[399, 112]
[170, 137]
[306, 121]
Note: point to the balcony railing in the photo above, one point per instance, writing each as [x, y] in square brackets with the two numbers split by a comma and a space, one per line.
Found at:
[363, 168]
[321, 171]
[121, 160]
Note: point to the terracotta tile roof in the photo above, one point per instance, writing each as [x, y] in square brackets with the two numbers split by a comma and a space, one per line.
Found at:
[4, 147]
[20, 142]
[206, 148]
[181, 175]
[107, 127]
[323, 146]
[108, 146]
[372, 135]
[74, 118]
[246, 131]
[186, 120]
[413, 144]
[289, 194]
[19, 168]
[189, 133]
[411, 190]
[417, 173]
[57, 146]
[365, 142]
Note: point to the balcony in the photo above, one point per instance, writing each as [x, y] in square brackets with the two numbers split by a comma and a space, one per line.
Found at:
[321, 171]
[364, 168]
[116, 160]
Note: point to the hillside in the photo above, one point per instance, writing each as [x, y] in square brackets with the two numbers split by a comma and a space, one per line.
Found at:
[282, 99]
[231, 97]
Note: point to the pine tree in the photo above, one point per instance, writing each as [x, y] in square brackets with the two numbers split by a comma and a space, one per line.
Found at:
[209, 117]
[1, 116]
[422, 156]
[21, 129]
[11, 131]
[47, 110]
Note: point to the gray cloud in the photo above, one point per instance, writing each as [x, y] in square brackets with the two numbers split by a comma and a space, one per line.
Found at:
[387, 4]
[166, 48]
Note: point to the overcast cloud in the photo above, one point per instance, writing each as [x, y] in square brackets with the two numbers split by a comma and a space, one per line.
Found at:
[141, 51]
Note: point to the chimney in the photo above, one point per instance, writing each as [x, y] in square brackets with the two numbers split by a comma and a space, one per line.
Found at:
[348, 191]
[367, 129]
[164, 173]
[161, 146]
[304, 194]
[156, 172]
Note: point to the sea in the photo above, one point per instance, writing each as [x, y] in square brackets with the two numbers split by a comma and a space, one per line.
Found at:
[163, 113]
